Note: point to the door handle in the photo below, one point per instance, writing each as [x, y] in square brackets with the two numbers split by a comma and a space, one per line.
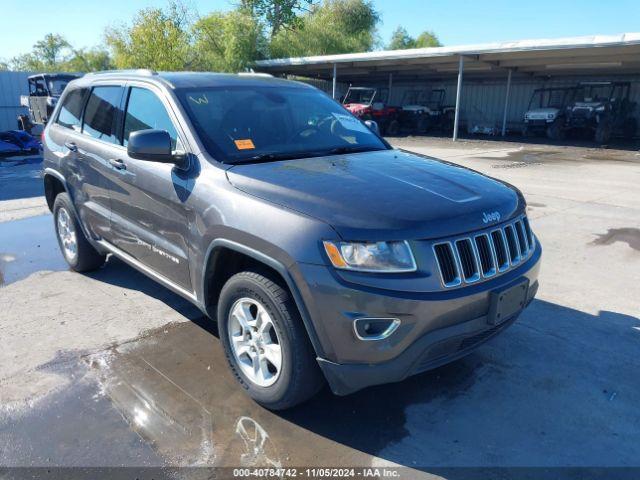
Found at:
[117, 164]
[71, 146]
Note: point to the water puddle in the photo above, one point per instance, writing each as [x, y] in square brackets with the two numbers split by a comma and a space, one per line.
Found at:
[175, 390]
[630, 236]
[28, 246]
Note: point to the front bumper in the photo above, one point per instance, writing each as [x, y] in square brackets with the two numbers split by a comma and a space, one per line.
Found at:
[436, 328]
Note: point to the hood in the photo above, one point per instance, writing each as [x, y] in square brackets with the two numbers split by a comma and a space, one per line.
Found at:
[416, 108]
[541, 112]
[589, 105]
[356, 108]
[382, 195]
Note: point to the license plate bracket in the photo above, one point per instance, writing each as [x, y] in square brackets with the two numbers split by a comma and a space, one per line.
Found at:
[507, 302]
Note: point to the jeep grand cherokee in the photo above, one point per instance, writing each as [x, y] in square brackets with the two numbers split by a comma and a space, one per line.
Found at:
[323, 253]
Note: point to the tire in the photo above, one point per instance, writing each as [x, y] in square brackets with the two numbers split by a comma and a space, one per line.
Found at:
[393, 128]
[603, 133]
[85, 258]
[299, 377]
[629, 128]
[555, 131]
[422, 125]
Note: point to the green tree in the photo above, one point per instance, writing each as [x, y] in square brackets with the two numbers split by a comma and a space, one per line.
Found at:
[277, 14]
[158, 38]
[427, 39]
[400, 40]
[48, 54]
[89, 60]
[229, 41]
[335, 26]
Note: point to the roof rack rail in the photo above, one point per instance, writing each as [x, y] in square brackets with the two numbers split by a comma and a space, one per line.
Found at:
[147, 72]
[251, 73]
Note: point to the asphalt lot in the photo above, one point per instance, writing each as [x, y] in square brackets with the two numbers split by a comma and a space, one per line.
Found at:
[119, 371]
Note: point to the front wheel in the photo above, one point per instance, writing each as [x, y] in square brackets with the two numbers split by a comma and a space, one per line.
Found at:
[76, 249]
[555, 131]
[603, 133]
[393, 128]
[265, 342]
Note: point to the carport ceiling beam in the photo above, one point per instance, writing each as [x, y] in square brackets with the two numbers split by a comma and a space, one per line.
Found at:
[334, 83]
[506, 105]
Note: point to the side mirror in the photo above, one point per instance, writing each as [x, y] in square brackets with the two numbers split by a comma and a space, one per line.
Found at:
[152, 146]
[373, 126]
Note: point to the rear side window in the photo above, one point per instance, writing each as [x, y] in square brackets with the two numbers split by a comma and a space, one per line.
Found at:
[102, 113]
[146, 111]
[71, 109]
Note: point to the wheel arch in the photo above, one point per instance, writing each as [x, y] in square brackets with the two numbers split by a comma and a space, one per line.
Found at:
[221, 258]
[54, 183]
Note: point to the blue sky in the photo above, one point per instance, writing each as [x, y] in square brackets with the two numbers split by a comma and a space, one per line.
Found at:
[455, 22]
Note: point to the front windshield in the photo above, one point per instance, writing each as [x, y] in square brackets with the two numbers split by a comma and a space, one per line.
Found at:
[551, 98]
[595, 93]
[56, 86]
[261, 123]
[359, 95]
[412, 97]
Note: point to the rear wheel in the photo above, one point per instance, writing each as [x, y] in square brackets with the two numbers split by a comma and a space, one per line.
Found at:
[265, 342]
[77, 251]
[629, 128]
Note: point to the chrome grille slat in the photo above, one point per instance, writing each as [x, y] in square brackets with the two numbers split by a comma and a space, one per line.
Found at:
[473, 258]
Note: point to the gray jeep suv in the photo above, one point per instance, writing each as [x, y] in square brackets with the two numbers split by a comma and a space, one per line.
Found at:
[323, 253]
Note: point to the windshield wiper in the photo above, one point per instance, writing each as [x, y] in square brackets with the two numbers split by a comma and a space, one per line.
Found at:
[352, 149]
[271, 157]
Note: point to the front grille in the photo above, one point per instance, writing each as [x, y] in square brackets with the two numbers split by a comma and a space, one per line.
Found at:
[470, 259]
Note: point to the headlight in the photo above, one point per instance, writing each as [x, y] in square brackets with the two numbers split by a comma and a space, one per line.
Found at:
[389, 257]
[551, 116]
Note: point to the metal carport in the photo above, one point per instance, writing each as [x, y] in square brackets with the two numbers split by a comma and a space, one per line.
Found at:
[596, 55]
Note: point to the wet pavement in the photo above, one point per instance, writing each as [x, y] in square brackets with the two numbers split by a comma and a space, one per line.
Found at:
[557, 389]
[23, 175]
[26, 246]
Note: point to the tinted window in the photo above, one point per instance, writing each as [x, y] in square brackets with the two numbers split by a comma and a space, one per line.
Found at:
[71, 109]
[101, 114]
[145, 111]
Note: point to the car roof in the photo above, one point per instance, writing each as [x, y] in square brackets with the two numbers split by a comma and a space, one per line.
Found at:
[53, 75]
[180, 80]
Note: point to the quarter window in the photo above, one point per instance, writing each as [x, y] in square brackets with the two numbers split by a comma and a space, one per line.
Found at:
[145, 111]
[102, 113]
[71, 109]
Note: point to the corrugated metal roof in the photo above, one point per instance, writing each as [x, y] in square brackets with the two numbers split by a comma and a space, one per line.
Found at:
[592, 41]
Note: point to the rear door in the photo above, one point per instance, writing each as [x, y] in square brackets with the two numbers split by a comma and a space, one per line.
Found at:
[149, 218]
[91, 149]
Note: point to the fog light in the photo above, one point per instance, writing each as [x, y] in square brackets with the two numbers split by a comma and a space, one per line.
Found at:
[375, 328]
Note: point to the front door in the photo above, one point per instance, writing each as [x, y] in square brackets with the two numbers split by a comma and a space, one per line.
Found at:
[149, 220]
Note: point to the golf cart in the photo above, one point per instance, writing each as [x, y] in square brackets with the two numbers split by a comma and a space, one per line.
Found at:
[546, 113]
[368, 103]
[423, 110]
[603, 108]
[44, 91]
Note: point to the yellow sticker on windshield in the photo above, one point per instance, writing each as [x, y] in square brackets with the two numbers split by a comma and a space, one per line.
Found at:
[245, 144]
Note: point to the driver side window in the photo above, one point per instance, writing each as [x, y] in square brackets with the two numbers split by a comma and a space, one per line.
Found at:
[146, 111]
